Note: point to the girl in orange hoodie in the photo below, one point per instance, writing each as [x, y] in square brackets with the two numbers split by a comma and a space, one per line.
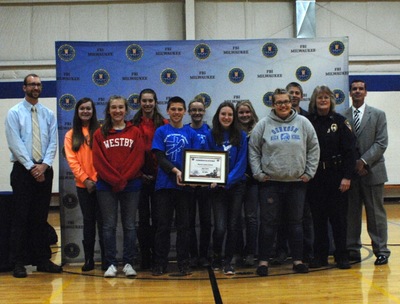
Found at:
[78, 152]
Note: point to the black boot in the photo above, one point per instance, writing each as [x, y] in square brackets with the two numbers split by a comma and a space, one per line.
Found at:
[88, 248]
[89, 265]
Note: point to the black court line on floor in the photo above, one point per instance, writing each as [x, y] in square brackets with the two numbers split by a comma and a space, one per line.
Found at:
[214, 286]
[240, 275]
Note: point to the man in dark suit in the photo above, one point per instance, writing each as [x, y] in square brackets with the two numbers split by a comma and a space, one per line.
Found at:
[370, 129]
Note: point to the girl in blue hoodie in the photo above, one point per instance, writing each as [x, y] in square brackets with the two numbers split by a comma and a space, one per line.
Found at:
[227, 200]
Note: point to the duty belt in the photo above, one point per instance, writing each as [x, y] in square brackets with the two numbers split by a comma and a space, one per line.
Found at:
[323, 165]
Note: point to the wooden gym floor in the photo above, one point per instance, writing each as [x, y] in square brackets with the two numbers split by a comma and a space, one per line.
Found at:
[363, 283]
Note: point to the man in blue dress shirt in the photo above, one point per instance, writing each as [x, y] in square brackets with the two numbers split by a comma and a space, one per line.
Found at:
[31, 131]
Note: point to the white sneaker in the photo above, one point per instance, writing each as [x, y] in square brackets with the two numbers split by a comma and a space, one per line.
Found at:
[129, 271]
[111, 272]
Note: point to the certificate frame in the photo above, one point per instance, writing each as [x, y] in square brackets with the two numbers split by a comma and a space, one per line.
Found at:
[205, 167]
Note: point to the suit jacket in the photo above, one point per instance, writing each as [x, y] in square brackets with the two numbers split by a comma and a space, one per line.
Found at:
[371, 144]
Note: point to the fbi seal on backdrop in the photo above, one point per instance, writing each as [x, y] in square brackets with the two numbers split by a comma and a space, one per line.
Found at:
[71, 250]
[168, 76]
[303, 73]
[70, 201]
[206, 98]
[134, 52]
[67, 102]
[101, 77]
[66, 52]
[269, 50]
[133, 101]
[267, 99]
[236, 75]
[202, 51]
[336, 48]
[339, 96]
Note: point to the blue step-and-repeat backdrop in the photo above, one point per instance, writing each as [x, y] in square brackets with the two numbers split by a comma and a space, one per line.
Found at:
[219, 70]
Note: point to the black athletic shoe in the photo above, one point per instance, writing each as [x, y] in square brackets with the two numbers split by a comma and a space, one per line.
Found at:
[343, 264]
[216, 264]
[19, 271]
[300, 268]
[159, 270]
[262, 270]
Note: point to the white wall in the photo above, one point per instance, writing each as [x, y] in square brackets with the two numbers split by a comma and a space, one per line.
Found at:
[28, 29]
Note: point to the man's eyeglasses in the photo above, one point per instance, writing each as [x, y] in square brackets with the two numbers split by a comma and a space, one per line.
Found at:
[196, 110]
[282, 103]
[32, 85]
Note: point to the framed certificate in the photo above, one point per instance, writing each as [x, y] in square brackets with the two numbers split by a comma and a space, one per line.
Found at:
[205, 167]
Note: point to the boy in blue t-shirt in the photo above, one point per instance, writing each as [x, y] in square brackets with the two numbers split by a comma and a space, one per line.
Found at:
[169, 143]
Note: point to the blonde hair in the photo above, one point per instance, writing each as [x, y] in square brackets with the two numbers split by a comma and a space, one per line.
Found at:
[254, 119]
[312, 107]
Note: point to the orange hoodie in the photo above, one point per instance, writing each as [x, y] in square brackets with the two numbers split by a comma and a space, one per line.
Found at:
[80, 162]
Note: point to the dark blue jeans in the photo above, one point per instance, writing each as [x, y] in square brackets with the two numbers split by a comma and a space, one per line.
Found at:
[91, 216]
[308, 235]
[278, 201]
[128, 202]
[200, 201]
[168, 201]
[227, 208]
